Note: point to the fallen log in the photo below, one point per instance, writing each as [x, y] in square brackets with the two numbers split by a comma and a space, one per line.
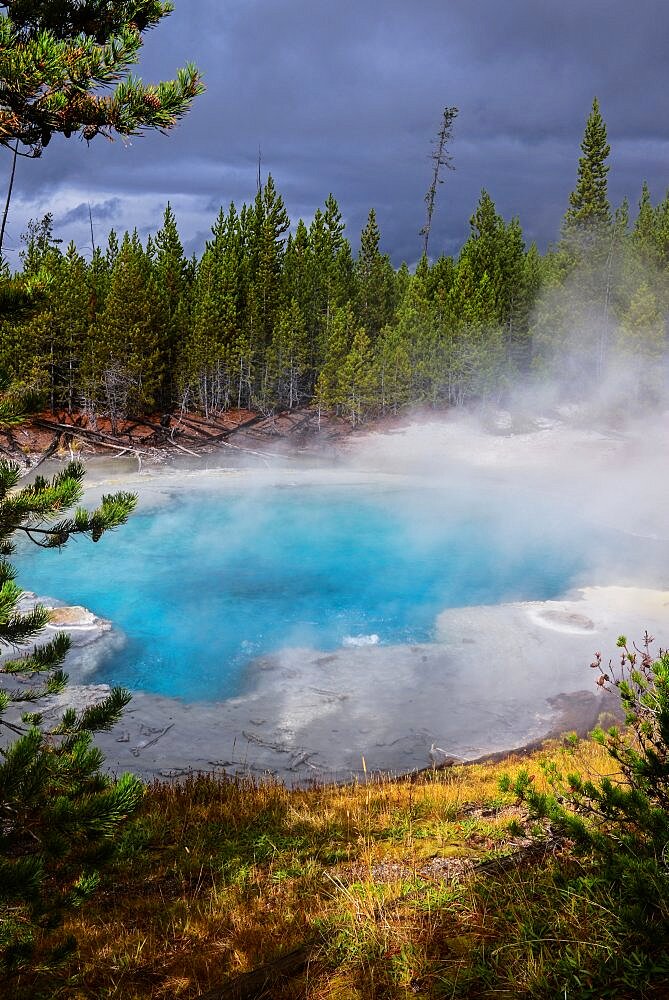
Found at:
[11, 452]
[181, 447]
[166, 433]
[49, 451]
[124, 448]
[262, 982]
[536, 851]
[228, 432]
[83, 432]
[86, 434]
[249, 451]
[299, 424]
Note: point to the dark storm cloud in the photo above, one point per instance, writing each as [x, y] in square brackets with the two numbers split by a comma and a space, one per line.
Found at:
[104, 210]
[346, 98]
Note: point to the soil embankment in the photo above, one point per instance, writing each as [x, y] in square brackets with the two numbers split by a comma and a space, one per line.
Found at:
[157, 438]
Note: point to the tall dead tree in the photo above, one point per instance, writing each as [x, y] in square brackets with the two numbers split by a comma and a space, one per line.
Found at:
[3, 225]
[440, 158]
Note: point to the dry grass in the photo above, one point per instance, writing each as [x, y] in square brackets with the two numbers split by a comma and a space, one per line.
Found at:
[220, 876]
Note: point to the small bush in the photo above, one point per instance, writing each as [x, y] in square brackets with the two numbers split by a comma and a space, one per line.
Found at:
[621, 822]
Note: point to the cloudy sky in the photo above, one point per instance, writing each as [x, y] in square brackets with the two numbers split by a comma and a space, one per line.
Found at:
[347, 96]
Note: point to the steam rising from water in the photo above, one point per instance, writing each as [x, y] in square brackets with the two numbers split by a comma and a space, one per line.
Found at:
[590, 497]
[613, 472]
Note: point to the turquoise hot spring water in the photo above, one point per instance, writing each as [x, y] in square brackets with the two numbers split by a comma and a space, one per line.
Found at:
[207, 580]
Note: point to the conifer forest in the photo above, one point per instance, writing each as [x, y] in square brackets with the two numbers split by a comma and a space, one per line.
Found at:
[275, 315]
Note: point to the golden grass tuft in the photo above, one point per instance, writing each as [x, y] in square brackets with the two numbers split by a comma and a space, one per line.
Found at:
[220, 875]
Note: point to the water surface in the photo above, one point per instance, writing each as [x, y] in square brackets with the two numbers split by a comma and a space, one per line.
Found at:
[205, 583]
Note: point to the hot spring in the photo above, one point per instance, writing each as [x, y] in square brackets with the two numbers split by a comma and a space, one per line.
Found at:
[331, 613]
[202, 584]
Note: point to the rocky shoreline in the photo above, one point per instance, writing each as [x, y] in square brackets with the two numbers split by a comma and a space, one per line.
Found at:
[311, 716]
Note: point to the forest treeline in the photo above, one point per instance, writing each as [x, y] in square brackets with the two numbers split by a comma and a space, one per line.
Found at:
[273, 317]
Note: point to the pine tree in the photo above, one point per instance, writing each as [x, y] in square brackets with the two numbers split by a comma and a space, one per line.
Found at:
[403, 278]
[440, 277]
[170, 280]
[393, 369]
[58, 813]
[28, 334]
[375, 281]
[589, 213]
[440, 158]
[58, 61]
[575, 319]
[357, 378]
[270, 223]
[497, 250]
[408, 357]
[334, 226]
[213, 351]
[287, 367]
[417, 322]
[644, 227]
[642, 343]
[662, 232]
[471, 336]
[299, 273]
[334, 280]
[129, 363]
[328, 394]
[70, 328]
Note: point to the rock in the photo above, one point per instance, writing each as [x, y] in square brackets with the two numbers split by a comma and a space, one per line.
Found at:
[569, 620]
[82, 626]
[76, 615]
[442, 758]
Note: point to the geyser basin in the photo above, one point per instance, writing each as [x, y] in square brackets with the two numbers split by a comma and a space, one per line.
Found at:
[212, 578]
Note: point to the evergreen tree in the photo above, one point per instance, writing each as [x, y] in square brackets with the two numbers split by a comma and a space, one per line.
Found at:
[575, 320]
[439, 278]
[328, 394]
[214, 350]
[334, 226]
[620, 820]
[270, 223]
[471, 336]
[58, 813]
[128, 341]
[170, 271]
[416, 330]
[112, 250]
[393, 369]
[403, 278]
[287, 367]
[589, 213]
[58, 61]
[300, 274]
[375, 281]
[642, 343]
[644, 228]
[70, 329]
[662, 232]
[497, 250]
[440, 158]
[332, 283]
[357, 378]
[28, 335]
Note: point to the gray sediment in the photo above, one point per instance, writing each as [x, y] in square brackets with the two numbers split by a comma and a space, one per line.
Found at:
[498, 679]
